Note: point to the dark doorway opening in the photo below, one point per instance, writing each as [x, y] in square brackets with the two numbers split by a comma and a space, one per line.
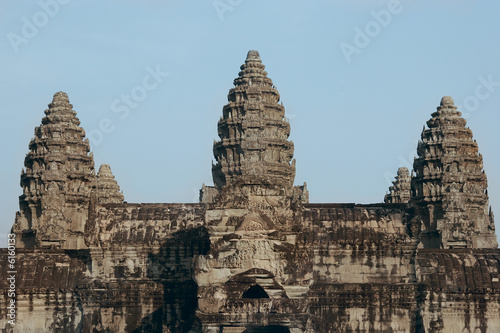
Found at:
[255, 291]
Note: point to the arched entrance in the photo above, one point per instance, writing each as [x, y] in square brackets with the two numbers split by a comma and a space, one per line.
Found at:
[255, 291]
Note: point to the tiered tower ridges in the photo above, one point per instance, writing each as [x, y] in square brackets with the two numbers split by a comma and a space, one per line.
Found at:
[253, 149]
[399, 191]
[449, 186]
[247, 258]
[108, 190]
[57, 182]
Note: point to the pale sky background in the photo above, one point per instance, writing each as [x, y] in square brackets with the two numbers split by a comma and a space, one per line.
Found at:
[353, 122]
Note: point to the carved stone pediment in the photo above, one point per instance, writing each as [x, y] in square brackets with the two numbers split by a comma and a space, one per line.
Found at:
[255, 221]
[52, 226]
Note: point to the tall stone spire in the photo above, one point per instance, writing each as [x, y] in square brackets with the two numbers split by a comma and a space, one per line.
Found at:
[108, 190]
[449, 187]
[253, 152]
[57, 182]
[399, 191]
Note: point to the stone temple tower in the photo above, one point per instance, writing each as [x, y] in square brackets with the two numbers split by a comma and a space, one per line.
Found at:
[254, 256]
[254, 155]
[399, 191]
[57, 182]
[253, 209]
[108, 190]
[449, 185]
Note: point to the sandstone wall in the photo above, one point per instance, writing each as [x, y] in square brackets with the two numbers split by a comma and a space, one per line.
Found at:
[347, 268]
[136, 275]
[45, 287]
[462, 290]
[140, 225]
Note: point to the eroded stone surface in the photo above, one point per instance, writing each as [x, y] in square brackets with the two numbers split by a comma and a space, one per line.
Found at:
[107, 188]
[399, 191]
[254, 156]
[254, 255]
[57, 182]
[449, 187]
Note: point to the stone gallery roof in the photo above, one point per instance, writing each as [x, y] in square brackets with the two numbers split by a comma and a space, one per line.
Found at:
[459, 271]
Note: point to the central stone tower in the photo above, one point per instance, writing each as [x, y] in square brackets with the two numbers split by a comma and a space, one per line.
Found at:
[254, 155]
[253, 214]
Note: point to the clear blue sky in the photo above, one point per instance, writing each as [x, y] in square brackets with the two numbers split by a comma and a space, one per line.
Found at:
[356, 103]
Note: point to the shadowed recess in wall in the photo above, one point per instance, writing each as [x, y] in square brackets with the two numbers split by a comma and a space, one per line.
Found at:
[254, 255]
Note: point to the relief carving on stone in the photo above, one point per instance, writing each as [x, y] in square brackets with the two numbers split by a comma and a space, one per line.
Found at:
[52, 226]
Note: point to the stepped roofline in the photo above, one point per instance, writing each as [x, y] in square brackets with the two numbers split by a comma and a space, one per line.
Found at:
[254, 152]
[449, 186]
